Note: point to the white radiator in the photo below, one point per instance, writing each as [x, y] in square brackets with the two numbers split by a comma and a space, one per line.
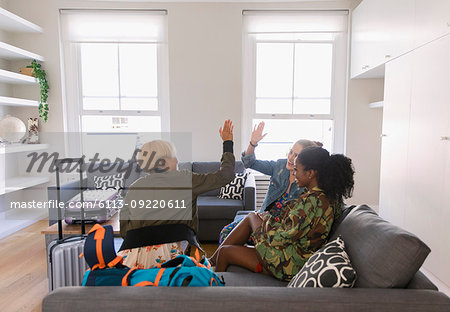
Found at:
[262, 184]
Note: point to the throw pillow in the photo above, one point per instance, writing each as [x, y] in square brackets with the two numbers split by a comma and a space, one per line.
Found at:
[105, 182]
[328, 267]
[234, 189]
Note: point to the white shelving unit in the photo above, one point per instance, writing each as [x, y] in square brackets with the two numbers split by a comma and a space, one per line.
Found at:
[7, 76]
[12, 181]
[18, 148]
[378, 104]
[19, 183]
[11, 22]
[10, 101]
[11, 52]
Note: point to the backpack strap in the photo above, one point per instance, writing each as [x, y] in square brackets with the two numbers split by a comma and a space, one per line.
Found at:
[174, 262]
[213, 280]
[98, 237]
[126, 277]
[155, 283]
[186, 261]
[99, 248]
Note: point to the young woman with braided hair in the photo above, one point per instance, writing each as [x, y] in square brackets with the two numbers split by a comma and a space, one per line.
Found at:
[283, 244]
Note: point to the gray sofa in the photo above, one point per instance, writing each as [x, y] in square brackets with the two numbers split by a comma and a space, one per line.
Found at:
[385, 257]
[214, 213]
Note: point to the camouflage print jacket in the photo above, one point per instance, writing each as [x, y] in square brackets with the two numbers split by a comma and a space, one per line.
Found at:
[285, 243]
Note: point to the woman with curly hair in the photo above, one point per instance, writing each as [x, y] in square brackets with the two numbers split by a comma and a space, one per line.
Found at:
[283, 244]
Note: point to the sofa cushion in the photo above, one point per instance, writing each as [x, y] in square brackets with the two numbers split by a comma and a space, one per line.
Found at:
[345, 211]
[328, 267]
[211, 207]
[130, 170]
[114, 181]
[234, 189]
[383, 255]
[212, 166]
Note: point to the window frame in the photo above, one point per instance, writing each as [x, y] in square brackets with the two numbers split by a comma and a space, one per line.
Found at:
[72, 88]
[292, 116]
[160, 112]
[338, 96]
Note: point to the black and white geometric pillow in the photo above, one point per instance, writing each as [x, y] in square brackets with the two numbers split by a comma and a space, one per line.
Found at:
[328, 267]
[114, 181]
[235, 188]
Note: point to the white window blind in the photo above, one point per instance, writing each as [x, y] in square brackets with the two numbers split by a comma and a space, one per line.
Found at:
[295, 21]
[114, 25]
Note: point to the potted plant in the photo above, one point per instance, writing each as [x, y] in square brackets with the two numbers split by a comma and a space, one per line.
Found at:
[27, 71]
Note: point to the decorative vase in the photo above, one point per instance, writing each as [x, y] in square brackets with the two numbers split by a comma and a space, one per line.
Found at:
[33, 131]
[12, 129]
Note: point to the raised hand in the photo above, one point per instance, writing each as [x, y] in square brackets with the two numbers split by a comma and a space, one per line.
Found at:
[257, 133]
[226, 133]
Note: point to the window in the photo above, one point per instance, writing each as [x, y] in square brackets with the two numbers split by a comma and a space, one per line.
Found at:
[294, 78]
[116, 72]
[115, 79]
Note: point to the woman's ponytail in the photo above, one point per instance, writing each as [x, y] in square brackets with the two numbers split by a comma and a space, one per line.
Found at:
[335, 172]
[336, 178]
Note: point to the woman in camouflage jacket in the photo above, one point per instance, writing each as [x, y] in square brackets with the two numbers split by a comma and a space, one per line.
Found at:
[283, 244]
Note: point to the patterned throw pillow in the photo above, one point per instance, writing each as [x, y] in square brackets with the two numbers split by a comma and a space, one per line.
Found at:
[329, 267]
[234, 189]
[105, 182]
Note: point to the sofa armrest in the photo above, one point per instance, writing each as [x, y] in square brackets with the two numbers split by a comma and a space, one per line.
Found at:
[68, 191]
[242, 299]
[249, 197]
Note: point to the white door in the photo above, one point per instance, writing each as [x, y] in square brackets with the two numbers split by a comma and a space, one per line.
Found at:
[396, 107]
[428, 205]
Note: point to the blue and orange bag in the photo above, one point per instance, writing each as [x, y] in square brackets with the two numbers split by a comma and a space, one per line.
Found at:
[107, 268]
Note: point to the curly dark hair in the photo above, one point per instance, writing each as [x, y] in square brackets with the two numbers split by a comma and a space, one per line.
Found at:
[334, 172]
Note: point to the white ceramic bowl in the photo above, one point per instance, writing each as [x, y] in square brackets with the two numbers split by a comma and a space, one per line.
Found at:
[12, 129]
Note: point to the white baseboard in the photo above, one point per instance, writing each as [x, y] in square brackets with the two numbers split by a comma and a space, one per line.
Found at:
[10, 225]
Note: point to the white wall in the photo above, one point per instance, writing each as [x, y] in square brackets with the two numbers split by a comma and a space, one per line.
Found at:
[205, 73]
[363, 144]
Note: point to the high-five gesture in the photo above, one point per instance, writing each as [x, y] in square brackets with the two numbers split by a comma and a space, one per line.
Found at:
[257, 133]
[226, 133]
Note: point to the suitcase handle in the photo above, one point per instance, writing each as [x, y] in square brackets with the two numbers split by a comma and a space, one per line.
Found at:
[58, 163]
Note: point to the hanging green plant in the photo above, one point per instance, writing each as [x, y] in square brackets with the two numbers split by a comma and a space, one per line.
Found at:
[41, 75]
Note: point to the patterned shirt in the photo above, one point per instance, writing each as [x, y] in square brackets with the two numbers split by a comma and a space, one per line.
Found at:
[276, 207]
[285, 243]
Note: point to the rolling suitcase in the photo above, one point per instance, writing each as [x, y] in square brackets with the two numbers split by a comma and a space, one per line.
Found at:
[100, 206]
[65, 267]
